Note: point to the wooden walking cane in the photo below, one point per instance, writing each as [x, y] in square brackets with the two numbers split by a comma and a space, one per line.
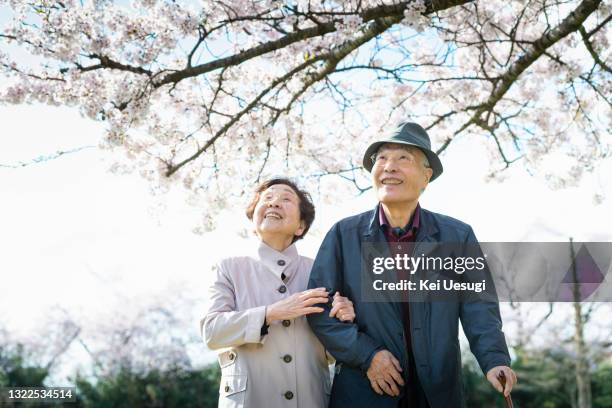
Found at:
[508, 399]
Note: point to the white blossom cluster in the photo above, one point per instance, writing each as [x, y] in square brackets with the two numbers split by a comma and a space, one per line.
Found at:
[213, 97]
[414, 15]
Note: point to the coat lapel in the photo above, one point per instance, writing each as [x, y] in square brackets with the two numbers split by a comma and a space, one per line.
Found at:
[372, 234]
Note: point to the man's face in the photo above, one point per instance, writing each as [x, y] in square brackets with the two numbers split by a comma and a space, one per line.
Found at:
[399, 173]
[278, 212]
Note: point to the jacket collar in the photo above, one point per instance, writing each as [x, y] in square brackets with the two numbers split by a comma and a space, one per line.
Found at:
[427, 227]
[278, 262]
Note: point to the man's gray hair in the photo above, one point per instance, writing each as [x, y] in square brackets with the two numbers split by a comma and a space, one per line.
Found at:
[426, 161]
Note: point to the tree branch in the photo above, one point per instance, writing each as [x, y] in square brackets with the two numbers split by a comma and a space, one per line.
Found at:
[589, 47]
[41, 159]
[300, 35]
[569, 25]
[173, 168]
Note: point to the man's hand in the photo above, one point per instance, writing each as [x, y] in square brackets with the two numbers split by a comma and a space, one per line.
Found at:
[342, 308]
[296, 305]
[493, 377]
[384, 373]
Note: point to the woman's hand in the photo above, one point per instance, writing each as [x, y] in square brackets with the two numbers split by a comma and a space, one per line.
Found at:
[342, 308]
[296, 305]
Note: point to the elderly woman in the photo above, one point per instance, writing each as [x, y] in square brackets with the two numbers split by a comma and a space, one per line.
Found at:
[269, 357]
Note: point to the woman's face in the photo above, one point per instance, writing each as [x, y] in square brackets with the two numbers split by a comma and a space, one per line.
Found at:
[277, 213]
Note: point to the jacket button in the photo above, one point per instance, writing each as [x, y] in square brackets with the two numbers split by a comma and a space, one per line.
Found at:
[232, 356]
[286, 323]
[227, 388]
[281, 262]
[289, 395]
[287, 358]
[282, 289]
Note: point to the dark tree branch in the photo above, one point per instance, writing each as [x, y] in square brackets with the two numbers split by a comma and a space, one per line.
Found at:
[569, 25]
[106, 62]
[173, 168]
[589, 47]
[291, 38]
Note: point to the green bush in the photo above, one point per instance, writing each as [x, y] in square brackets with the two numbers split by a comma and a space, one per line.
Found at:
[176, 388]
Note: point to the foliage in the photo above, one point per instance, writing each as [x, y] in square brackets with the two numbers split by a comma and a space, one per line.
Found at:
[176, 388]
[545, 381]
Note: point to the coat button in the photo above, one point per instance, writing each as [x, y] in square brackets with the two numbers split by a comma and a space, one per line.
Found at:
[282, 289]
[232, 356]
[289, 395]
[286, 323]
[287, 358]
[281, 262]
[227, 388]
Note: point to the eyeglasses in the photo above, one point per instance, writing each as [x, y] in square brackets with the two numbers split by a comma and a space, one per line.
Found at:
[405, 159]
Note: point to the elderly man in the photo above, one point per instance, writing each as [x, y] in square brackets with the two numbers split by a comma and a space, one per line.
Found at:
[402, 354]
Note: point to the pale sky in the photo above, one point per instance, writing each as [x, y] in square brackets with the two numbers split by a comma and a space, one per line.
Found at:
[99, 246]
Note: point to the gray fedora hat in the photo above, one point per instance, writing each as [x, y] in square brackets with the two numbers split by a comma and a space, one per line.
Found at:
[407, 133]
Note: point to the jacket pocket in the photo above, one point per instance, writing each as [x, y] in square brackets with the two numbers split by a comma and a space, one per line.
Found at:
[232, 390]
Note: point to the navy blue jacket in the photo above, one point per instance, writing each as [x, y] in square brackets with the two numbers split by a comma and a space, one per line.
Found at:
[378, 325]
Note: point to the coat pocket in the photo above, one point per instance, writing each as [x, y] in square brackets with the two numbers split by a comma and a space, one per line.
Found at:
[227, 358]
[232, 390]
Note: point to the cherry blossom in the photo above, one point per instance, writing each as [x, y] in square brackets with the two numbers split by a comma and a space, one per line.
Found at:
[211, 97]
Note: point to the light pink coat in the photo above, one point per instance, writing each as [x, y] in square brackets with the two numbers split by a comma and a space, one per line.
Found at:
[287, 367]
